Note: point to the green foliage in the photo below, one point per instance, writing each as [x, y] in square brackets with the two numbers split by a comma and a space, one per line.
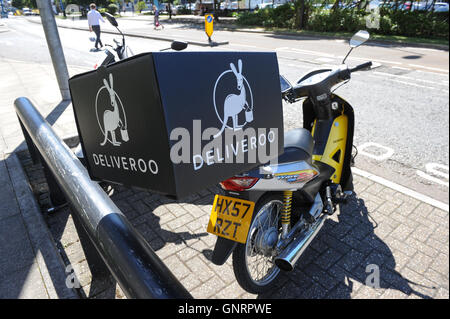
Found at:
[85, 3]
[25, 4]
[141, 6]
[414, 23]
[280, 17]
[336, 20]
[19, 4]
[112, 8]
[391, 22]
[184, 10]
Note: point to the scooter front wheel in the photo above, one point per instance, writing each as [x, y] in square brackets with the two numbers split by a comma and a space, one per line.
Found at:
[253, 262]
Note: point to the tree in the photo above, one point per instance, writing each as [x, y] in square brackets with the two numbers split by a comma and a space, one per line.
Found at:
[99, 3]
[300, 14]
[141, 6]
[336, 5]
[169, 7]
[19, 4]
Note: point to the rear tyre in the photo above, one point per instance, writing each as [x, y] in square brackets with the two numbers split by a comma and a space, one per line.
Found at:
[253, 262]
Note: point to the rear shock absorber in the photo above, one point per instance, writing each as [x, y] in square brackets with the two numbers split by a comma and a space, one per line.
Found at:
[286, 213]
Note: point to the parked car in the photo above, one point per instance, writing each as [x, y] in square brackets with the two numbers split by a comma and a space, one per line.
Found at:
[441, 7]
[27, 12]
[266, 4]
[428, 6]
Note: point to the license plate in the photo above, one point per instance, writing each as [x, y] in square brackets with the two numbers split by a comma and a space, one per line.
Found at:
[230, 218]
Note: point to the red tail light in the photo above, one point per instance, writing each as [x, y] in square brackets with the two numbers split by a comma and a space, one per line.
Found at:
[239, 184]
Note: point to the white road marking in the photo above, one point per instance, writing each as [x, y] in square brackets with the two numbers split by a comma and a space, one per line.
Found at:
[401, 68]
[409, 83]
[435, 169]
[420, 86]
[405, 77]
[404, 190]
[321, 54]
[388, 152]
[324, 60]
[428, 68]
[371, 59]
[6, 42]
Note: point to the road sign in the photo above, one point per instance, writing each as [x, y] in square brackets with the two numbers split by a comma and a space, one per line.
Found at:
[209, 20]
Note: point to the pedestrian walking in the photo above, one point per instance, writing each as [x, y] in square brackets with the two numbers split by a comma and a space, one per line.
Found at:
[94, 18]
[156, 19]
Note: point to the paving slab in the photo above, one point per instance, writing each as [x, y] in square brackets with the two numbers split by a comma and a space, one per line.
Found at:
[335, 266]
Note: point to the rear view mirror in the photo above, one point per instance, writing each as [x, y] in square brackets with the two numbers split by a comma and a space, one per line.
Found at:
[359, 38]
[284, 84]
[111, 19]
[178, 45]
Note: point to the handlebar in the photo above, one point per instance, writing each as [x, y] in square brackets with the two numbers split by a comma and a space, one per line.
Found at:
[334, 77]
[360, 67]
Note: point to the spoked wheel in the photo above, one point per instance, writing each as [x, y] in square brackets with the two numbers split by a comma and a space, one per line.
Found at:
[253, 262]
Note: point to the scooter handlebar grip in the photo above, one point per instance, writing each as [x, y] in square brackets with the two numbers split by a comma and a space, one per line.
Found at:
[361, 67]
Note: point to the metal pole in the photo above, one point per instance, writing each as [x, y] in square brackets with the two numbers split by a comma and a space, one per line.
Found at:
[54, 46]
[133, 263]
[2, 10]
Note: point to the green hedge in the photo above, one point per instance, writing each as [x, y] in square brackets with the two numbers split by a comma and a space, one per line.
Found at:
[336, 21]
[414, 23]
[281, 17]
[113, 8]
[402, 23]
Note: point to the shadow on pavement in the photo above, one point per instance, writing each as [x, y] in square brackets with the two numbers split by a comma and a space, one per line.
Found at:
[57, 111]
[334, 265]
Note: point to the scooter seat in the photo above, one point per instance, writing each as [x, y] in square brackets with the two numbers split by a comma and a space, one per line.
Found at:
[299, 138]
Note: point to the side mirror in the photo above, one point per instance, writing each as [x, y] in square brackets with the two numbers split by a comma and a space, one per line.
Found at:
[359, 38]
[284, 84]
[178, 45]
[111, 19]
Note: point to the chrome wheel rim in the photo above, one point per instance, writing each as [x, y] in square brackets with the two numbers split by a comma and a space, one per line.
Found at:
[260, 265]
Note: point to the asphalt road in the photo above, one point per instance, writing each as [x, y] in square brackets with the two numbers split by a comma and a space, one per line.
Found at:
[401, 106]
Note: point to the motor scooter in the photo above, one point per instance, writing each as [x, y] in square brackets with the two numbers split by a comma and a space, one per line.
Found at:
[121, 50]
[281, 207]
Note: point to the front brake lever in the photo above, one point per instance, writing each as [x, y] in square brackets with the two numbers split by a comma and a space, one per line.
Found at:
[289, 96]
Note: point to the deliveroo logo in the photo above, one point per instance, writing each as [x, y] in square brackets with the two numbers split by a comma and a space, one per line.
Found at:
[111, 119]
[233, 103]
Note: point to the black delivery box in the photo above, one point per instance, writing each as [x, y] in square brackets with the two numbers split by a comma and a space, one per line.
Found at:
[178, 122]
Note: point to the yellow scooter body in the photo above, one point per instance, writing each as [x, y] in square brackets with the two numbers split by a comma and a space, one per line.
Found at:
[333, 138]
[335, 148]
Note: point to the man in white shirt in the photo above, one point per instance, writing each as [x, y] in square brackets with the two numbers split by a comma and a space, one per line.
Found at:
[94, 18]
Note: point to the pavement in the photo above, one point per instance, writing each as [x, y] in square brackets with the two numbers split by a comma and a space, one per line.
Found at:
[30, 264]
[197, 22]
[137, 30]
[406, 239]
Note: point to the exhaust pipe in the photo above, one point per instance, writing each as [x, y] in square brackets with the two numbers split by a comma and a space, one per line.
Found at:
[287, 259]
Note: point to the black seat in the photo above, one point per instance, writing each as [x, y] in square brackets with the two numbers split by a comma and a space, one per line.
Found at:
[298, 146]
[299, 138]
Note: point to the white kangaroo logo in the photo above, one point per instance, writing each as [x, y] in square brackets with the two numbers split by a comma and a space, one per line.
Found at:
[111, 119]
[234, 104]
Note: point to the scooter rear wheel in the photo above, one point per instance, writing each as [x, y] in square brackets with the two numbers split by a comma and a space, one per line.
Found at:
[253, 262]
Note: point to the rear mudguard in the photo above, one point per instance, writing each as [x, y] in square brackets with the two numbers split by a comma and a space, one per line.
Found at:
[224, 247]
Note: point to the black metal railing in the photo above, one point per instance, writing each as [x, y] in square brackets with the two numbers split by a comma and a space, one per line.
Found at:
[129, 258]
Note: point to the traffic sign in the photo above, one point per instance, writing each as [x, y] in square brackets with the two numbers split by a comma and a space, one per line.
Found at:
[209, 20]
